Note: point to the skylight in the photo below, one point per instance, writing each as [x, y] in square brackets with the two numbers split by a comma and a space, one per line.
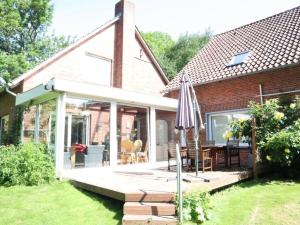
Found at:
[239, 58]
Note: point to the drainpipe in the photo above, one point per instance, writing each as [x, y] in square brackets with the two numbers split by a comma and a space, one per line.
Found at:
[261, 94]
[5, 85]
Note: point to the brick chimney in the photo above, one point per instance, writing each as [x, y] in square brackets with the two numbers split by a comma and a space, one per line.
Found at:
[124, 40]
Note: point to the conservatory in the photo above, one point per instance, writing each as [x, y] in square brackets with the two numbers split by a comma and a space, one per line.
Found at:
[90, 125]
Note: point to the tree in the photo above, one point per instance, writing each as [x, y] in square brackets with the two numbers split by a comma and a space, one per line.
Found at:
[23, 22]
[23, 38]
[171, 55]
[186, 48]
[160, 43]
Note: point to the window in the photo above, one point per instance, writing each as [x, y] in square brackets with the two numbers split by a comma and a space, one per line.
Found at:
[239, 58]
[219, 123]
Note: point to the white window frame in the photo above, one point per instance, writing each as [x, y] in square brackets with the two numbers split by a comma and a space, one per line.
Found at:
[220, 113]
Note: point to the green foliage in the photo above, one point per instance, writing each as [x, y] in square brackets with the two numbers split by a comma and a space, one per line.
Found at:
[277, 131]
[26, 164]
[159, 42]
[171, 55]
[23, 39]
[23, 22]
[242, 130]
[186, 48]
[196, 207]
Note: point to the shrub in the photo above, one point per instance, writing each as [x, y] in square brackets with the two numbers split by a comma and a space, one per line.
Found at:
[277, 132]
[26, 164]
[196, 207]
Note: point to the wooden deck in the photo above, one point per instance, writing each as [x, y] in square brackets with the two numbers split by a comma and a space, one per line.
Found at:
[148, 191]
[135, 183]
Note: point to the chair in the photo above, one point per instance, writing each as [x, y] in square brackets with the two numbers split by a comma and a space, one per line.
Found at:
[221, 157]
[204, 156]
[140, 155]
[172, 153]
[233, 151]
[127, 152]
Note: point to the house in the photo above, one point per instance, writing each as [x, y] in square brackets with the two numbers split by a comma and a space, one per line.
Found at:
[100, 92]
[254, 62]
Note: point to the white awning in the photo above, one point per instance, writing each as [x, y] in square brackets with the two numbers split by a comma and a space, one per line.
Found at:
[94, 92]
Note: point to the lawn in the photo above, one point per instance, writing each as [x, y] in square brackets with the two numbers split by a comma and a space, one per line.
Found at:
[260, 202]
[58, 203]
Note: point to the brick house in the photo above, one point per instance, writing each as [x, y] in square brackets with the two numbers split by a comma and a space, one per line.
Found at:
[254, 62]
[101, 91]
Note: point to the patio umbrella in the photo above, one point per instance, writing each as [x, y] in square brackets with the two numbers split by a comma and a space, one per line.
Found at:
[185, 118]
[188, 112]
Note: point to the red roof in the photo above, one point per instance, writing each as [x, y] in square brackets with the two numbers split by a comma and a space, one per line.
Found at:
[273, 42]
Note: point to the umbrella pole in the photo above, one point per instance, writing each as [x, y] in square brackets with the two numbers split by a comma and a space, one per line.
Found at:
[179, 183]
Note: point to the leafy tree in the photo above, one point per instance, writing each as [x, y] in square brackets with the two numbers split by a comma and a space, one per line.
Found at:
[23, 22]
[171, 55]
[160, 43]
[23, 38]
[186, 48]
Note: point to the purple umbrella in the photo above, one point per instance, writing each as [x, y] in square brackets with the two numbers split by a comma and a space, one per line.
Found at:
[185, 118]
[188, 112]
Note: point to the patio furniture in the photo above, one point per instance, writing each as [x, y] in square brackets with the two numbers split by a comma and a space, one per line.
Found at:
[67, 160]
[94, 156]
[140, 155]
[105, 157]
[205, 155]
[127, 152]
[172, 154]
[221, 157]
[233, 152]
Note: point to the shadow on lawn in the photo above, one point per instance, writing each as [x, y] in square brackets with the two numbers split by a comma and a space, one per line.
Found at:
[109, 203]
[262, 181]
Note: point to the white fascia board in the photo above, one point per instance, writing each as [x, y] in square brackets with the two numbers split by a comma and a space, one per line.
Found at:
[34, 93]
[89, 90]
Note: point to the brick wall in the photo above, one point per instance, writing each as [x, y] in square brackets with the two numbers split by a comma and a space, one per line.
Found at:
[236, 93]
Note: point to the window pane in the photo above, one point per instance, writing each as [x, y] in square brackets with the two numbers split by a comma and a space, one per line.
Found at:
[219, 124]
[47, 121]
[132, 128]
[86, 123]
[165, 124]
[29, 124]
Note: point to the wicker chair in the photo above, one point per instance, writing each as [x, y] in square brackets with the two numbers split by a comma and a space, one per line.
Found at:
[127, 152]
[140, 155]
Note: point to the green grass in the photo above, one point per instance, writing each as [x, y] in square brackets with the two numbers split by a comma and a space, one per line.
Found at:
[257, 202]
[58, 203]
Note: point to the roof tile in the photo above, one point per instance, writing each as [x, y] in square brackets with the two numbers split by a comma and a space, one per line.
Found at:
[272, 42]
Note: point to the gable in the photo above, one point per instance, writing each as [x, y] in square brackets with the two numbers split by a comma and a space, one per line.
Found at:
[144, 76]
[89, 62]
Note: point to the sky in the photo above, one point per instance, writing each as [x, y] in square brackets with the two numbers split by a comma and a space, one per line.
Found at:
[175, 17]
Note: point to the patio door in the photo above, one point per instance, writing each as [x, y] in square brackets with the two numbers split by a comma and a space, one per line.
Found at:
[76, 130]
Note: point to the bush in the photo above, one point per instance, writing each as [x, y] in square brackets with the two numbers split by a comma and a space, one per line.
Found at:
[277, 132]
[196, 207]
[26, 164]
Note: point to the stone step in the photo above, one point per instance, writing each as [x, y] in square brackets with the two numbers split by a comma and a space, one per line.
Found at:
[150, 197]
[149, 208]
[148, 220]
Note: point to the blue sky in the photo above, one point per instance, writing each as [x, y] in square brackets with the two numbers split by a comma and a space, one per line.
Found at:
[79, 17]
